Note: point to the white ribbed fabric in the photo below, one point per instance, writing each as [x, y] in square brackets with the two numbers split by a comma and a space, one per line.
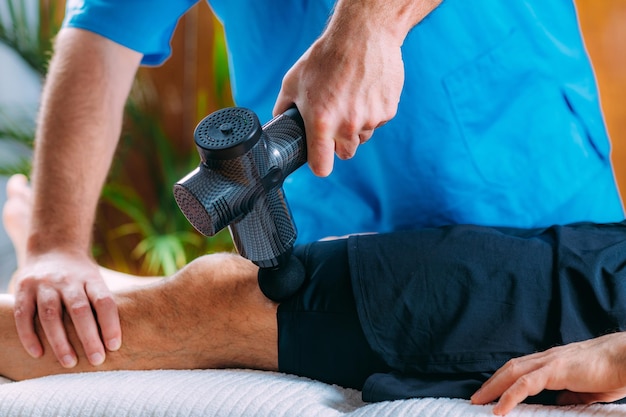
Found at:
[230, 393]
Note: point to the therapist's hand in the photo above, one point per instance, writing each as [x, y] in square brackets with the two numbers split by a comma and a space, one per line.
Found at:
[345, 85]
[585, 372]
[349, 81]
[50, 283]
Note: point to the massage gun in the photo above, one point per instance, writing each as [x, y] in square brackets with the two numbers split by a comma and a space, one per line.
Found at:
[239, 184]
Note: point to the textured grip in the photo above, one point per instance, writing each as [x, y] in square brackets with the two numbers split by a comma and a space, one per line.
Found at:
[265, 239]
[286, 141]
[266, 235]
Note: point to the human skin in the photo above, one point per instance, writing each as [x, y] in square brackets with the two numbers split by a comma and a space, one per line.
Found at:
[586, 372]
[349, 81]
[216, 317]
[212, 316]
[79, 127]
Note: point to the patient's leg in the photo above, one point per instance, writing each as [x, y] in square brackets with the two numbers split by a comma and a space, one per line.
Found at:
[209, 315]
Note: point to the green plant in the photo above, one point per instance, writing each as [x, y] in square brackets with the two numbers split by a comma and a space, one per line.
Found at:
[166, 239]
[23, 35]
[20, 31]
[20, 131]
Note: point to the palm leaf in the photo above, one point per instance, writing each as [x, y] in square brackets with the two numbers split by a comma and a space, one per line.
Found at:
[19, 30]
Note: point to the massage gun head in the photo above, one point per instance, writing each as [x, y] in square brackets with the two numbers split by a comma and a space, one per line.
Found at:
[239, 181]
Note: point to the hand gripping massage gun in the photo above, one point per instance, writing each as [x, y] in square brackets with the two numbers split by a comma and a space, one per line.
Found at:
[239, 184]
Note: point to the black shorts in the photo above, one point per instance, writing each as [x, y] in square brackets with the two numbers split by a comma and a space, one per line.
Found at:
[319, 333]
[435, 312]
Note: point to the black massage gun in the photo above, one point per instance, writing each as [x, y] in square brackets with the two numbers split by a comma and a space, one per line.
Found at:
[239, 184]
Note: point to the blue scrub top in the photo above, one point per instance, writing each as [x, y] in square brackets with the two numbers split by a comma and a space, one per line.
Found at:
[499, 121]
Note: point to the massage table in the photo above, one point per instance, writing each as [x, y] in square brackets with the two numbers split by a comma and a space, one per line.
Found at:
[236, 393]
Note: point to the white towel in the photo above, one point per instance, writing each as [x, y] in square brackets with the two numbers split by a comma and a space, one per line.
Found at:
[231, 393]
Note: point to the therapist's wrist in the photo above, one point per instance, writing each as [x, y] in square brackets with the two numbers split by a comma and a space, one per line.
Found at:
[389, 19]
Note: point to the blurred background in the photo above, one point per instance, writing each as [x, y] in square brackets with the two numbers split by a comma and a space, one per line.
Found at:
[139, 228]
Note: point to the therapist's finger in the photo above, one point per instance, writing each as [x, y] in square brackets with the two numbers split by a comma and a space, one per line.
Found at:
[79, 309]
[283, 103]
[320, 146]
[345, 148]
[49, 311]
[107, 314]
[24, 315]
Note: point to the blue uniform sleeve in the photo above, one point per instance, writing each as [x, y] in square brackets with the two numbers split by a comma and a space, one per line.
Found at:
[145, 26]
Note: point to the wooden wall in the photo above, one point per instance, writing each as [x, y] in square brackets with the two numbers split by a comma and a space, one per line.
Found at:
[184, 83]
[603, 23]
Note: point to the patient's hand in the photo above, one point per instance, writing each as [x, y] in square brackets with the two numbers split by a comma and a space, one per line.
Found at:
[586, 372]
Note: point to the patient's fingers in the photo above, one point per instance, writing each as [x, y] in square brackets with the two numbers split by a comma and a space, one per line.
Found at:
[525, 386]
[594, 369]
[518, 379]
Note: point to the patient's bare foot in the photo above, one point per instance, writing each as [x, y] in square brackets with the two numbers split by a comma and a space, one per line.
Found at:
[16, 213]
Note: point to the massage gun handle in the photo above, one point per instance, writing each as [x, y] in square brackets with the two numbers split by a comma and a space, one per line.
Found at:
[286, 142]
[267, 233]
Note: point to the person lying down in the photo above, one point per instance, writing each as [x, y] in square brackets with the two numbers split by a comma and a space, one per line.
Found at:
[462, 311]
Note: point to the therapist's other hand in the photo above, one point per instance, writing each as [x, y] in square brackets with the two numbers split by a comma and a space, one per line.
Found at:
[585, 372]
[345, 85]
[51, 283]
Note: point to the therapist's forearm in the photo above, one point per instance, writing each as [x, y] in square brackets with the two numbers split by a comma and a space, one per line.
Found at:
[78, 130]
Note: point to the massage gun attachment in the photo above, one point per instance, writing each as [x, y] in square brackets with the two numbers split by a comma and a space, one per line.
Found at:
[239, 184]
